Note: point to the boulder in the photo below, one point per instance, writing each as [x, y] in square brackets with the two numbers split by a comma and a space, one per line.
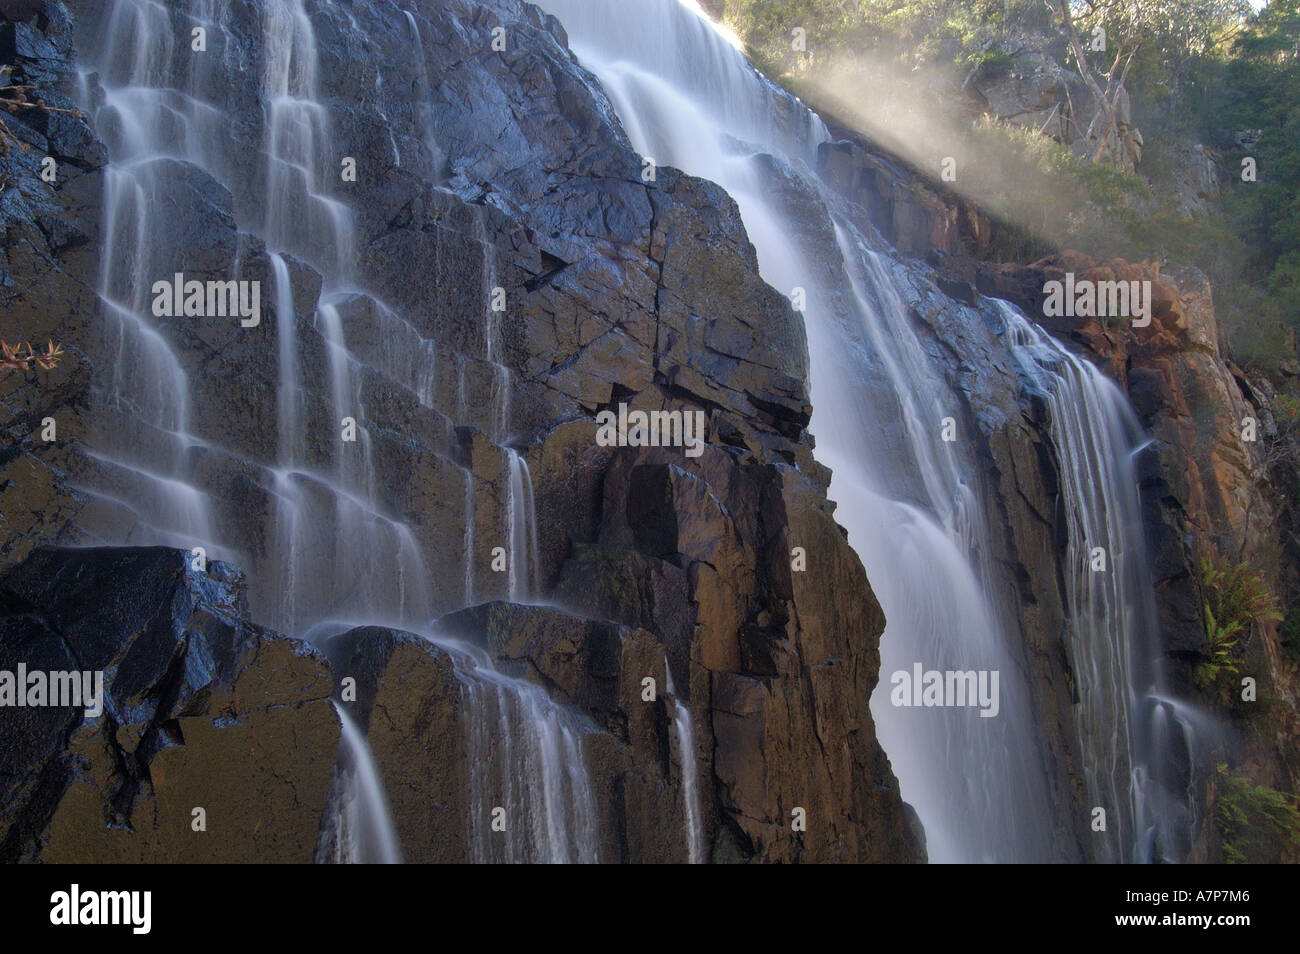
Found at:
[216, 738]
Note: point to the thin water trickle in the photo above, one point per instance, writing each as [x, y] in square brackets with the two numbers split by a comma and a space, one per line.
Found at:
[685, 729]
[423, 96]
[363, 829]
[522, 569]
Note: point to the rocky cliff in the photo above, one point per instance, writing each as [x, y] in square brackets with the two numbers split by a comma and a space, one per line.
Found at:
[215, 740]
[1217, 482]
[618, 290]
[1217, 477]
[487, 175]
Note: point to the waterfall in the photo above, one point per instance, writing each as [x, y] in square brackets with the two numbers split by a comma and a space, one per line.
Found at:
[522, 570]
[362, 828]
[143, 394]
[688, 98]
[697, 104]
[318, 535]
[300, 216]
[153, 450]
[526, 770]
[530, 798]
[1124, 721]
[685, 729]
[323, 542]
[423, 92]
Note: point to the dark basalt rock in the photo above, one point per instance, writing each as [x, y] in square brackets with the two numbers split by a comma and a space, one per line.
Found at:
[201, 709]
[48, 269]
[21, 11]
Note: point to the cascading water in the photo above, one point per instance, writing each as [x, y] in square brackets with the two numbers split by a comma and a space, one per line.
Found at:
[156, 109]
[362, 832]
[327, 547]
[523, 532]
[423, 91]
[687, 98]
[685, 729]
[973, 781]
[1123, 719]
[526, 771]
[698, 105]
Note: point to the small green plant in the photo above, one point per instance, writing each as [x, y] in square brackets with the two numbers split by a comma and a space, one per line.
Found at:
[1234, 604]
[989, 64]
[1221, 662]
[1256, 823]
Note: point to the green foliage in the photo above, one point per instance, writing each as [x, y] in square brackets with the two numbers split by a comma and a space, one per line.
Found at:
[1203, 71]
[988, 63]
[1026, 177]
[1221, 662]
[1234, 603]
[1286, 409]
[961, 31]
[1256, 86]
[1257, 824]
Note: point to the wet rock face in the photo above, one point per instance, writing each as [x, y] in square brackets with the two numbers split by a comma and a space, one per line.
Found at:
[1206, 487]
[48, 264]
[772, 666]
[21, 11]
[484, 169]
[917, 220]
[600, 668]
[756, 724]
[201, 709]
[1199, 476]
